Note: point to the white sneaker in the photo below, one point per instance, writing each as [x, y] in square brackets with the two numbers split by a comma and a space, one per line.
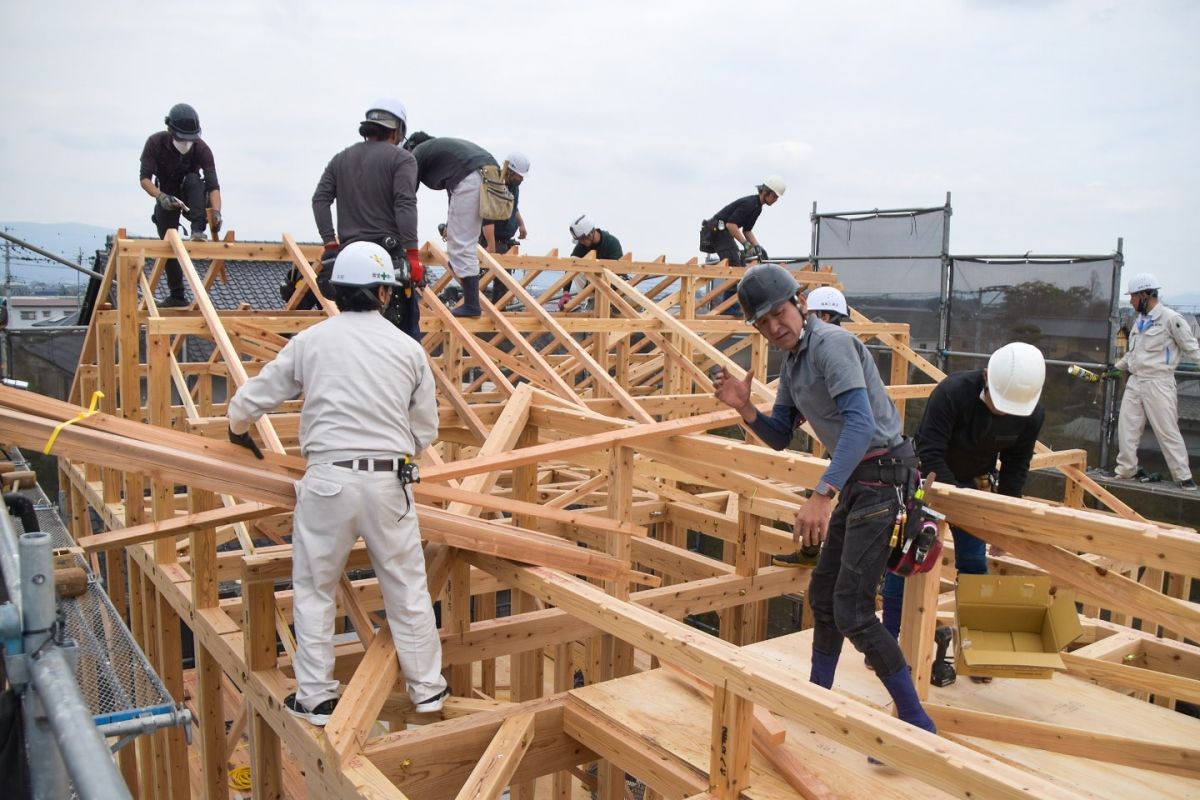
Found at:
[433, 704]
[198, 235]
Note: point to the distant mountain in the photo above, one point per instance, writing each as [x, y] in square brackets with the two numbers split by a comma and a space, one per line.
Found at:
[65, 239]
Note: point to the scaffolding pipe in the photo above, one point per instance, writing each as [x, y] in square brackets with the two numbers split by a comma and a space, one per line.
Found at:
[9, 564]
[136, 726]
[85, 752]
[47, 774]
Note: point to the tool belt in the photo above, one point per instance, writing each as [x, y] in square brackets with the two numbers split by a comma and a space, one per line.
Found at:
[894, 467]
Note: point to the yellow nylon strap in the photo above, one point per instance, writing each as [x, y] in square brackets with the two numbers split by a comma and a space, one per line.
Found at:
[96, 395]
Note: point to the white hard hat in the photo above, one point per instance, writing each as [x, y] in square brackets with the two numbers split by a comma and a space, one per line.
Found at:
[827, 298]
[519, 163]
[775, 184]
[1141, 282]
[582, 226]
[363, 264]
[1015, 374]
[388, 112]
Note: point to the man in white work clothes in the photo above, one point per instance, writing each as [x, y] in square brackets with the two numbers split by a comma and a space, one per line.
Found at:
[1159, 338]
[369, 408]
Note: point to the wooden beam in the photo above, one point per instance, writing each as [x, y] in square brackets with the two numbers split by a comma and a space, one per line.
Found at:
[500, 760]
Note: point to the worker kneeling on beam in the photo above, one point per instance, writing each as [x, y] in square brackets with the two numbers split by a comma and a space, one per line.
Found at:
[829, 378]
[972, 420]
[369, 408]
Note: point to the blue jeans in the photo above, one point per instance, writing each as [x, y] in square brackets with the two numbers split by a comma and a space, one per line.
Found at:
[844, 583]
[970, 558]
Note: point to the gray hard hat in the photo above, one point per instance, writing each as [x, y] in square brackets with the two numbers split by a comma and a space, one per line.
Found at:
[183, 122]
[764, 287]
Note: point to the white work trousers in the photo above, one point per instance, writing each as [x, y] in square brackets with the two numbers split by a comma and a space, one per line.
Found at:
[463, 224]
[334, 506]
[1155, 401]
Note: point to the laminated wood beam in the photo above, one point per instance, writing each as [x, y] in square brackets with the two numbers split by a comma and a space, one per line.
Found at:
[177, 526]
[301, 262]
[1132, 677]
[583, 444]
[434, 491]
[500, 760]
[939, 762]
[446, 753]
[1175, 759]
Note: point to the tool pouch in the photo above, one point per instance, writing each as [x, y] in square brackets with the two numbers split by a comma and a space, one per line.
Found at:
[919, 545]
[495, 200]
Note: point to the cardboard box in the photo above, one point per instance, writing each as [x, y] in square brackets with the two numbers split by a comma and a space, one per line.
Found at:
[1011, 627]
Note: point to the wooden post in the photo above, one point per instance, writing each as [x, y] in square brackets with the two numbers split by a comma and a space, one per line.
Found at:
[919, 620]
[732, 732]
[527, 668]
[258, 631]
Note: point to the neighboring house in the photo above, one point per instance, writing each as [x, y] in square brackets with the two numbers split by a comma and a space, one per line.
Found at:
[25, 312]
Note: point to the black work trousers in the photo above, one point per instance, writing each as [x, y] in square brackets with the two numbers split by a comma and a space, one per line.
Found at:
[194, 196]
[846, 579]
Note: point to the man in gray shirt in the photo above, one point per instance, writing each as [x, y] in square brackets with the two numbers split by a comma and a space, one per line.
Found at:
[375, 185]
[829, 378]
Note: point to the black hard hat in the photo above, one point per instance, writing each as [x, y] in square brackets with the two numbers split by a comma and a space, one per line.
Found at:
[764, 287]
[183, 122]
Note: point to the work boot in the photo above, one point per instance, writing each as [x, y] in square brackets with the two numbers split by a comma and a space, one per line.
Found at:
[908, 706]
[1188, 485]
[824, 665]
[893, 607]
[804, 557]
[174, 301]
[470, 303]
[198, 234]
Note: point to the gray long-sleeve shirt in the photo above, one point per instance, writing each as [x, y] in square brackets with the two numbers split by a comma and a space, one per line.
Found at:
[375, 186]
[368, 390]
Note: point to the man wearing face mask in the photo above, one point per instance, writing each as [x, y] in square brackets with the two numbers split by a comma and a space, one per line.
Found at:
[178, 171]
[1160, 336]
[375, 185]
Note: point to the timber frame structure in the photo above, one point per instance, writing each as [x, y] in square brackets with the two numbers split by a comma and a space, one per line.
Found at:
[574, 458]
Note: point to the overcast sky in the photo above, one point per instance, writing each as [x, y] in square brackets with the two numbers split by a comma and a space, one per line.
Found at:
[1057, 126]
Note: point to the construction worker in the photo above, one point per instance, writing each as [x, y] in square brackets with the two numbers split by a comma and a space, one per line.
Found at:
[454, 165]
[829, 378]
[501, 235]
[369, 408]
[828, 304]
[591, 239]
[972, 419]
[1159, 339]
[178, 171]
[375, 185]
[734, 224]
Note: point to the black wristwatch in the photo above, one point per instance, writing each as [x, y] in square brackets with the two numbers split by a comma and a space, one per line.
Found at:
[825, 490]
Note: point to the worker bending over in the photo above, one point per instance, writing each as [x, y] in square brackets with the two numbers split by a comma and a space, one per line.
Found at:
[829, 378]
[972, 420]
[369, 409]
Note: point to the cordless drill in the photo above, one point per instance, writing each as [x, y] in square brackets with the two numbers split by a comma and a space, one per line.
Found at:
[943, 671]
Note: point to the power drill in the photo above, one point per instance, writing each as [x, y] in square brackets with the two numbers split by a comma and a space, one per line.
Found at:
[943, 671]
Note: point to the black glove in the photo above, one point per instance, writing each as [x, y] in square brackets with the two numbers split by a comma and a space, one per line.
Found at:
[762, 254]
[245, 441]
[169, 202]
